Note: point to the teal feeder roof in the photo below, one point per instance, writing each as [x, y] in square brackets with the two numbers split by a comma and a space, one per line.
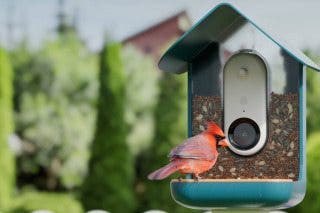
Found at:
[216, 26]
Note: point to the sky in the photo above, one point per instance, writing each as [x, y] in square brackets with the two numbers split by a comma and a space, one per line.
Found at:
[295, 21]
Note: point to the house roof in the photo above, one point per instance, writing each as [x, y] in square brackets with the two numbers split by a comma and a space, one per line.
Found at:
[152, 40]
[156, 25]
[222, 21]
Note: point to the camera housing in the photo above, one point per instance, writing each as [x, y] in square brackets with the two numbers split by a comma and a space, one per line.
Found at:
[244, 134]
[245, 77]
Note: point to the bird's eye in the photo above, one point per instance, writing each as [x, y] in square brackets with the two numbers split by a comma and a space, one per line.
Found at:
[219, 138]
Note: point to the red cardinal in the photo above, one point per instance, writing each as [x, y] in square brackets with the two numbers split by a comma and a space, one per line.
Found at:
[195, 155]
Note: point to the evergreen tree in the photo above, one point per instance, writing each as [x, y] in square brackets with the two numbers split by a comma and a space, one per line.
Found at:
[109, 183]
[64, 25]
[170, 130]
[7, 164]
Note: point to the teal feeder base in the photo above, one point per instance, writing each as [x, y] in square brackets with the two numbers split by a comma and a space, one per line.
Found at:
[237, 194]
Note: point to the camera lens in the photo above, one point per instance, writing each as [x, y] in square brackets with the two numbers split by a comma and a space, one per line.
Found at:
[244, 133]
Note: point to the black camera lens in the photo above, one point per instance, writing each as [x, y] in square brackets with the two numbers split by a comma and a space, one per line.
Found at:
[244, 133]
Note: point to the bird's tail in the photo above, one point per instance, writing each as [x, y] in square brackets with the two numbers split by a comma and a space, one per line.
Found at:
[164, 171]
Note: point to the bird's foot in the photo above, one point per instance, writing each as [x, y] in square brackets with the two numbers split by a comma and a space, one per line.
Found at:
[196, 177]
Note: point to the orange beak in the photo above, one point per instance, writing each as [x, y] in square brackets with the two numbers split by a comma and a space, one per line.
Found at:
[223, 143]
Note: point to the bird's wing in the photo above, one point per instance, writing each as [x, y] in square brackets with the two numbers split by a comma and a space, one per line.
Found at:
[197, 147]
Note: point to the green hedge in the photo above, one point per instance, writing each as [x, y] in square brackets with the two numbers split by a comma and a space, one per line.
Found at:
[55, 202]
[109, 185]
[7, 164]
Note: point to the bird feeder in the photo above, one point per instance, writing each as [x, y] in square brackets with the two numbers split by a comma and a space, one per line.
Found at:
[252, 85]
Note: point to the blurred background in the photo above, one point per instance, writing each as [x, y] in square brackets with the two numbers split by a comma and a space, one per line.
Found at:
[86, 114]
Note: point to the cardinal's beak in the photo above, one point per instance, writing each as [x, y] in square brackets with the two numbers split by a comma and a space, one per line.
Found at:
[223, 142]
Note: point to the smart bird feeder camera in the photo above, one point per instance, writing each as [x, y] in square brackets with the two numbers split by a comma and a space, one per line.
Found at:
[253, 86]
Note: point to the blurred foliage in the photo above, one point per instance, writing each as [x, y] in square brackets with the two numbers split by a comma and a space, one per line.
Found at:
[7, 173]
[109, 184]
[311, 202]
[170, 129]
[55, 202]
[141, 97]
[313, 96]
[55, 97]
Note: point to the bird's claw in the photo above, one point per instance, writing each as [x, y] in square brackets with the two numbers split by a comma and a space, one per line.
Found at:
[196, 177]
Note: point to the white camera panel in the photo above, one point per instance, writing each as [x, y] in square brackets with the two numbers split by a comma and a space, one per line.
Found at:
[245, 96]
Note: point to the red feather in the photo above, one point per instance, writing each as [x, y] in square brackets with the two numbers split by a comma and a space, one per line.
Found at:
[195, 155]
[165, 171]
[214, 129]
[197, 147]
